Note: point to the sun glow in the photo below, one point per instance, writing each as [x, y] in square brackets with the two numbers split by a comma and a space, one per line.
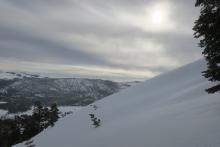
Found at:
[157, 17]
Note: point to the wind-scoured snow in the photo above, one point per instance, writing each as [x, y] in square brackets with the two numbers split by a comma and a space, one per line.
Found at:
[170, 110]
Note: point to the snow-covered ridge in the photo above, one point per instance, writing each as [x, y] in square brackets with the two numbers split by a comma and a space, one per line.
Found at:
[65, 87]
[63, 91]
[18, 75]
[171, 110]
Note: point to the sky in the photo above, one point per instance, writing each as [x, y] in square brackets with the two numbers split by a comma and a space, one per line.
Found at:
[108, 39]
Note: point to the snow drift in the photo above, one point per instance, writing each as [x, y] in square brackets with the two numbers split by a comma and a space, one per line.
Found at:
[170, 110]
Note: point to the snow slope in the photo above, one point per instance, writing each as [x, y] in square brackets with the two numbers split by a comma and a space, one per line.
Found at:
[171, 110]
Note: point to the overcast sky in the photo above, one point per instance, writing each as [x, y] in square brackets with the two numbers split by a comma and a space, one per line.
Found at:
[129, 39]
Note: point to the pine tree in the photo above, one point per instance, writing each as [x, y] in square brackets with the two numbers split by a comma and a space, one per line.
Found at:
[207, 27]
[54, 114]
[95, 120]
[38, 115]
[29, 143]
[45, 118]
[38, 108]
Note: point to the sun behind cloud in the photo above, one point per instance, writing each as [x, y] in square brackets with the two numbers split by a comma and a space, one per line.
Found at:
[157, 17]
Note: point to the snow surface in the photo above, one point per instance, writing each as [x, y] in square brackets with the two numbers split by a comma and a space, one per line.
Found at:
[3, 112]
[171, 110]
[1, 102]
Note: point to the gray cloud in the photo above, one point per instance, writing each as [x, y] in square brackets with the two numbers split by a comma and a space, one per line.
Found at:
[111, 34]
[26, 46]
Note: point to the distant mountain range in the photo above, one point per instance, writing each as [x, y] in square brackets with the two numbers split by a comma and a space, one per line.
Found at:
[19, 75]
[21, 87]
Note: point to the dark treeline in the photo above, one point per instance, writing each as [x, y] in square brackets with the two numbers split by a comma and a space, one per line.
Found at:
[22, 104]
[24, 127]
[207, 28]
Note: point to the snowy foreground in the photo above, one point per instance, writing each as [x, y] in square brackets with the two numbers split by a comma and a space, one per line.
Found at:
[171, 110]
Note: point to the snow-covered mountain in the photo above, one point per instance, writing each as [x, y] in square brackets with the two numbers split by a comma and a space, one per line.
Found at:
[18, 75]
[65, 87]
[170, 110]
[20, 92]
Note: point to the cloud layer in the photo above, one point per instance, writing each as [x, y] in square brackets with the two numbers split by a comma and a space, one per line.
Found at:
[119, 36]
